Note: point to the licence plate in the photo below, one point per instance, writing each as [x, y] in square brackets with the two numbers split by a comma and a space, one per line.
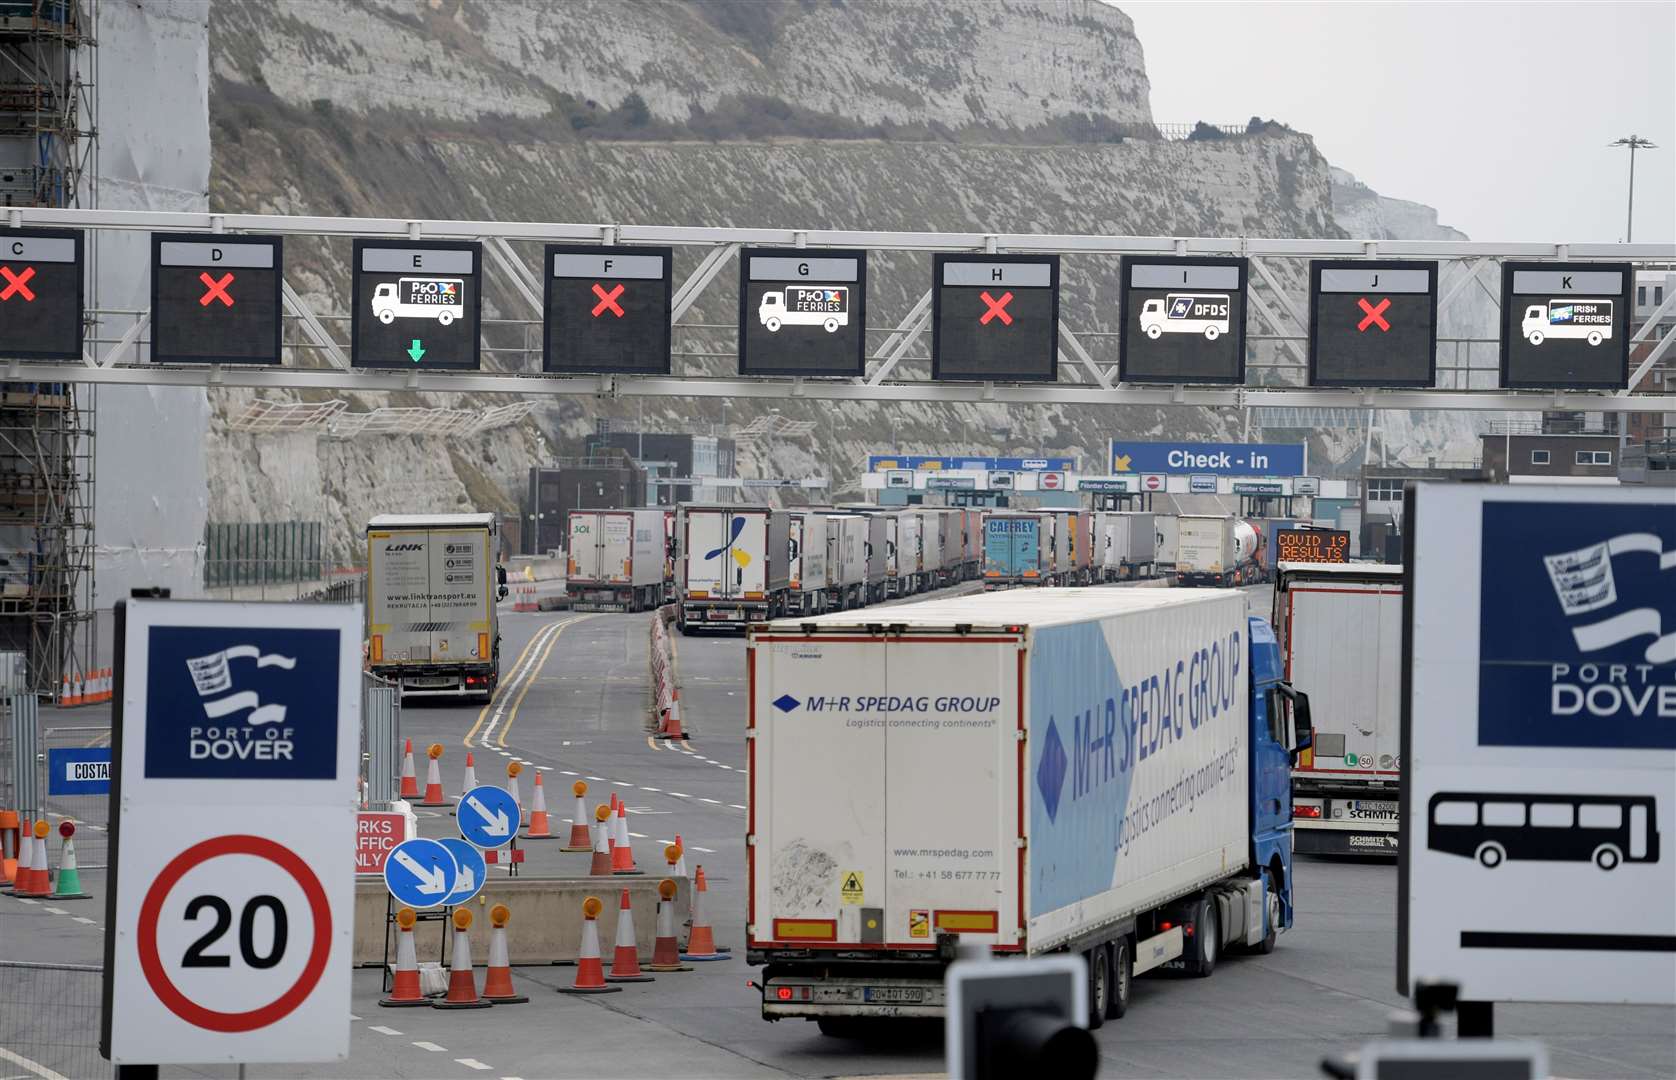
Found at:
[1370, 810]
[433, 682]
[894, 995]
[724, 616]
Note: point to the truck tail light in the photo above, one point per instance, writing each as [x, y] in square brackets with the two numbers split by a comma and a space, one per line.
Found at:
[377, 647]
[1301, 810]
[783, 993]
[482, 646]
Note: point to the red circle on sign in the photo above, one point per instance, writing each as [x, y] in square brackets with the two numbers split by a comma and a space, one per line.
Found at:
[1152, 483]
[1050, 480]
[169, 994]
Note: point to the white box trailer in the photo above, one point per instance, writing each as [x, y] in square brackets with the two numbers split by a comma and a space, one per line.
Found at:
[615, 559]
[806, 548]
[903, 534]
[878, 558]
[1168, 530]
[1216, 550]
[732, 565]
[432, 584]
[1340, 632]
[846, 561]
[1129, 541]
[1104, 771]
[1075, 548]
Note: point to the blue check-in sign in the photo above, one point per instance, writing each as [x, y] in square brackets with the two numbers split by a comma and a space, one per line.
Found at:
[79, 771]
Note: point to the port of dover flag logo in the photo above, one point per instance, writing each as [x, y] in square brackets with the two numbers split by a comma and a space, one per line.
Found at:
[1578, 640]
[239, 702]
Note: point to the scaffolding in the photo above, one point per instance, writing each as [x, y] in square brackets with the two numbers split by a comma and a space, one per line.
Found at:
[48, 158]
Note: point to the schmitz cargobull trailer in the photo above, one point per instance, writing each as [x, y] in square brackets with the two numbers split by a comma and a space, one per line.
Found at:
[1105, 772]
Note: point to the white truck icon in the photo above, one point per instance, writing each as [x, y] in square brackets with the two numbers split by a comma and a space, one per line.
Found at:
[1590, 320]
[1186, 313]
[826, 306]
[442, 299]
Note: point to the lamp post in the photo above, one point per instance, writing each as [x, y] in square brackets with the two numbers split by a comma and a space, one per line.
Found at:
[1633, 143]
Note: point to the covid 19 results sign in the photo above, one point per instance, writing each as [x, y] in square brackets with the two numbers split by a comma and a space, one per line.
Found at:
[236, 736]
[1539, 739]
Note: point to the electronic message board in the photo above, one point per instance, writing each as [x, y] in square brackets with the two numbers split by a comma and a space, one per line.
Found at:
[607, 309]
[1312, 545]
[1183, 320]
[995, 318]
[1565, 325]
[215, 299]
[802, 312]
[417, 304]
[40, 294]
[1372, 323]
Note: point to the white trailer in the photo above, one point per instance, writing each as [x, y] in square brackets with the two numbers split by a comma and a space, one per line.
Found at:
[432, 583]
[878, 558]
[903, 532]
[731, 568]
[806, 540]
[1340, 632]
[1038, 770]
[1168, 528]
[614, 559]
[1128, 543]
[846, 561]
[1212, 550]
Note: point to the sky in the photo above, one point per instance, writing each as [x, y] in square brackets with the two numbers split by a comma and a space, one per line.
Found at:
[1497, 114]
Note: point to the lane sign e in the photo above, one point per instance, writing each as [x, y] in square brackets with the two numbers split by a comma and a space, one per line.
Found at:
[421, 872]
[215, 299]
[1372, 322]
[488, 816]
[472, 870]
[79, 771]
[416, 304]
[606, 309]
[41, 286]
[802, 312]
[995, 318]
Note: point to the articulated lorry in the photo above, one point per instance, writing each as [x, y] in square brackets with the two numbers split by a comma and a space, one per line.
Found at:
[1128, 543]
[846, 561]
[731, 568]
[1104, 772]
[615, 559]
[1017, 550]
[1340, 632]
[1217, 551]
[806, 551]
[432, 586]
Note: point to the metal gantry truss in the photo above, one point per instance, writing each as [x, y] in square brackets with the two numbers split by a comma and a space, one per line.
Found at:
[1084, 379]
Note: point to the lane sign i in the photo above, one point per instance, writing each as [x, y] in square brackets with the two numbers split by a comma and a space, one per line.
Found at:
[41, 297]
[215, 299]
[1183, 320]
[421, 873]
[1372, 322]
[995, 317]
[488, 816]
[472, 870]
[606, 309]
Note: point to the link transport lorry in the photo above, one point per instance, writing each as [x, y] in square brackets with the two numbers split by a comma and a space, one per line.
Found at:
[432, 625]
[1105, 772]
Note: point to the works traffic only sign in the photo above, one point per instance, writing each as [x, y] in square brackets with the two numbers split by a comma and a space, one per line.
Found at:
[236, 743]
[41, 294]
[488, 816]
[802, 312]
[1538, 817]
[1183, 320]
[1372, 323]
[79, 771]
[1565, 325]
[215, 300]
[417, 304]
[995, 318]
[377, 832]
[607, 309]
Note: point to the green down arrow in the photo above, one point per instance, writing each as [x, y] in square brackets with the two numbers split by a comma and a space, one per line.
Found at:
[416, 350]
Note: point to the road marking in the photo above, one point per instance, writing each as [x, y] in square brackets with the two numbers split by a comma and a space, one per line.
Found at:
[516, 665]
[718, 802]
[601, 779]
[471, 1063]
[33, 1066]
[531, 674]
[736, 806]
[352, 1016]
[382, 1030]
[638, 835]
[84, 920]
[679, 794]
[55, 911]
[431, 1046]
[21, 900]
[658, 790]
[570, 772]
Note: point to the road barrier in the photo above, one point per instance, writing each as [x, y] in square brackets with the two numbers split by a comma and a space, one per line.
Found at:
[49, 1017]
[405, 992]
[666, 682]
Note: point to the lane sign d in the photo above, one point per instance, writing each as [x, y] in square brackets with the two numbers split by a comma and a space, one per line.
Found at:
[420, 873]
[488, 817]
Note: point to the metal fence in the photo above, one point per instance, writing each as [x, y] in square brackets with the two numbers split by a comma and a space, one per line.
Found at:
[49, 1018]
[90, 813]
[261, 553]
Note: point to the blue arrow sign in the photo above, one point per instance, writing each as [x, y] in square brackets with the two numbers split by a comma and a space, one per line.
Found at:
[488, 817]
[473, 870]
[420, 873]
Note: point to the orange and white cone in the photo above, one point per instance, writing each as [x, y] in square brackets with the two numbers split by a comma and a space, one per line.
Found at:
[666, 953]
[513, 768]
[680, 870]
[701, 942]
[602, 842]
[462, 980]
[23, 883]
[468, 782]
[590, 974]
[539, 828]
[433, 778]
[410, 779]
[40, 862]
[625, 959]
[622, 859]
[497, 978]
[580, 837]
[404, 984]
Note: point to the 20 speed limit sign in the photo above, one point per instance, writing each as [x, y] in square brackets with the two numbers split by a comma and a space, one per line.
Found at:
[233, 849]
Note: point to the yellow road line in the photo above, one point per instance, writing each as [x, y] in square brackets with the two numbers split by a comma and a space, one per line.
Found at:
[484, 715]
[535, 674]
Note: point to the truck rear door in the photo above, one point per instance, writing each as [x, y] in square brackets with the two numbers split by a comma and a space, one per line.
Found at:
[860, 840]
[616, 547]
[583, 546]
[1344, 649]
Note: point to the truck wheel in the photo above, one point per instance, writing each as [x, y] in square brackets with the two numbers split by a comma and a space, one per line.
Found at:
[1155, 332]
[831, 326]
[1123, 981]
[1207, 937]
[386, 316]
[1271, 913]
[1099, 986]
[773, 325]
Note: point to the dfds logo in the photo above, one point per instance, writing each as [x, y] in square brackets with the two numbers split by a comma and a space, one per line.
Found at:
[1578, 638]
[241, 703]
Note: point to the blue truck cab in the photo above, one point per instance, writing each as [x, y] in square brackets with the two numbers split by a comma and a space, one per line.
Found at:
[1279, 719]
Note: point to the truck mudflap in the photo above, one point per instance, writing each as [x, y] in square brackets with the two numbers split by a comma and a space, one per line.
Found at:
[796, 996]
[1334, 839]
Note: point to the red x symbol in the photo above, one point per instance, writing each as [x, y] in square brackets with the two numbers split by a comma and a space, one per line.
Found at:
[216, 290]
[995, 308]
[15, 283]
[607, 301]
[1375, 314]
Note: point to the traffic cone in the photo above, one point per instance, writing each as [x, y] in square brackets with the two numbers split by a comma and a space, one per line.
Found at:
[538, 829]
[410, 779]
[10, 829]
[513, 768]
[462, 980]
[701, 942]
[23, 882]
[625, 960]
[622, 859]
[666, 954]
[497, 978]
[602, 846]
[404, 985]
[579, 840]
[433, 778]
[680, 870]
[469, 782]
[590, 975]
[37, 841]
[68, 886]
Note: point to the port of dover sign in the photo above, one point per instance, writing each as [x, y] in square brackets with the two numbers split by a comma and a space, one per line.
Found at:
[236, 737]
[1538, 824]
